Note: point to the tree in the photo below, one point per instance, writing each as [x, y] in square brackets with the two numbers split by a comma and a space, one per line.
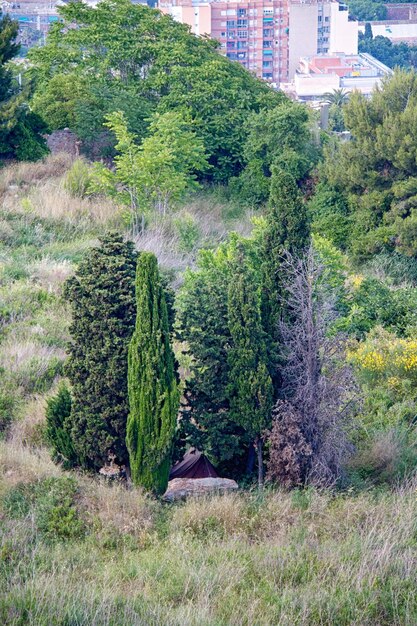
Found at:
[315, 377]
[202, 328]
[153, 65]
[250, 388]
[152, 385]
[152, 176]
[58, 411]
[286, 229]
[19, 128]
[102, 300]
[339, 97]
[280, 137]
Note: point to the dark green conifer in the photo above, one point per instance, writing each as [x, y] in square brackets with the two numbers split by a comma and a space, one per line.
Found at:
[287, 229]
[102, 300]
[153, 391]
[250, 387]
[58, 433]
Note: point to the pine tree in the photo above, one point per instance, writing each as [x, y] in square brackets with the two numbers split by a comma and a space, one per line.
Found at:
[287, 230]
[250, 386]
[152, 385]
[102, 300]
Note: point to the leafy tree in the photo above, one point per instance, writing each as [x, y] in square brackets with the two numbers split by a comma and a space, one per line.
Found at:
[154, 175]
[58, 433]
[153, 391]
[250, 388]
[19, 128]
[391, 54]
[364, 10]
[154, 64]
[102, 300]
[278, 137]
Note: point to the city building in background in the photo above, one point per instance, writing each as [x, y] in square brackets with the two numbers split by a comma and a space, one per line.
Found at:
[269, 37]
[321, 74]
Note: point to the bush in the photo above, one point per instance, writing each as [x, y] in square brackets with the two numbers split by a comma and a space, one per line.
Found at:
[187, 230]
[58, 429]
[78, 179]
[52, 503]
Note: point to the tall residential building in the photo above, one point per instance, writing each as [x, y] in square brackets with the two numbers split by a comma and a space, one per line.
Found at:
[268, 37]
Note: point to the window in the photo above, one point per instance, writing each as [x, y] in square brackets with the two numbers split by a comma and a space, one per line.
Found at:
[222, 34]
[241, 55]
[231, 34]
[230, 44]
[267, 75]
[241, 45]
[241, 12]
[266, 63]
[268, 53]
[268, 32]
[242, 33]
[267, 44]
[326, 19]
[242, 23]
[231, 55]
[231, 12]
[268, 11]
[231, 24]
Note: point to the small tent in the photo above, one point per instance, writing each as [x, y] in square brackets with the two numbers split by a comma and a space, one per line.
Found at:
[193, 465]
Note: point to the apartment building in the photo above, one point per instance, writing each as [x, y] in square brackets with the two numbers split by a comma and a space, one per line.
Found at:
[268, 37]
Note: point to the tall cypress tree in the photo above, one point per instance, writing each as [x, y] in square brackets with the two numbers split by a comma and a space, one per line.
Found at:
[153, 391]
[287, 229]
[102, 299]
[250, 387]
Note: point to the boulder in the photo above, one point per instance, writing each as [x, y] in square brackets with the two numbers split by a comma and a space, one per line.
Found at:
[181, 488]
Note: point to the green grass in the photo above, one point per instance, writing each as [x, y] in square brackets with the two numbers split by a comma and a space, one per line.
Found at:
[77, 551]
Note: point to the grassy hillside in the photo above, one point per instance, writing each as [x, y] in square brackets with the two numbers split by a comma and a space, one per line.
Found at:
[76, 551]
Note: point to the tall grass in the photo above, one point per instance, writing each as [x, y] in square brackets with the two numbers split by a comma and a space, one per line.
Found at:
[306, 558]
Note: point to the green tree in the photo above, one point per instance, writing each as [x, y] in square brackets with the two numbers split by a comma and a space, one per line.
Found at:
[286, 230]
[277, 137]
[58, 431]
[153, 176]
[152, 385]
[339, 97]
[250, 389]
[154, 64]
[102, 300]
[19, 128]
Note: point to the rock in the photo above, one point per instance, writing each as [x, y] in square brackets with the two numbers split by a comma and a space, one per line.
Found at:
[181, 488]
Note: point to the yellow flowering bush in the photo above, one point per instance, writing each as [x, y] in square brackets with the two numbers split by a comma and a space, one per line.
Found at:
[384, 357]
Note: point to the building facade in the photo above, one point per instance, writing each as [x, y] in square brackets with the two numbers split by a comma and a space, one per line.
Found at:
[269, 37]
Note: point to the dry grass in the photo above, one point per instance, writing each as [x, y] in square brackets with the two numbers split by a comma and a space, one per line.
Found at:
[50, 274]
[302, 558]
[25, 174]
[28, 429]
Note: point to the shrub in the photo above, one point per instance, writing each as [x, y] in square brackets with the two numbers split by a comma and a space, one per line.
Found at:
[187, 230]
[289, 452]
[58, 429]
[78, 179]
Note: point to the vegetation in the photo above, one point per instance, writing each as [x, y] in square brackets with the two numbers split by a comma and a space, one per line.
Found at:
[273, 328]
[101, 295]
[153, 394]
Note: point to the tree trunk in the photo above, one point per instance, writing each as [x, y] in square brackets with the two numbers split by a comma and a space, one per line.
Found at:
[250, 464]
[258, 444]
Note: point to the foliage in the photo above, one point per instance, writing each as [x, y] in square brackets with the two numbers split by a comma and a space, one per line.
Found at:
[20, 129]
[364, 10]
[101, 296]
[155, 65]
[391, 54]
[286, 229]
[78, 179]
[373, 175]
[277, 138]
[289, 452]
[58, 433]
[250, 389]
[152, 385]
[154, 176]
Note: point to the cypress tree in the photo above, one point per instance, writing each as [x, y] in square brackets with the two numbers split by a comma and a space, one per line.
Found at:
[102, 300]
[153, 391]
[58, 411]
[250, 387]
[287, 229]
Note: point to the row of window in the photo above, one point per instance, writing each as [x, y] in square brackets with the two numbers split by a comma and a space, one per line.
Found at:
[245, 12]
[267, 21]
[267, 34]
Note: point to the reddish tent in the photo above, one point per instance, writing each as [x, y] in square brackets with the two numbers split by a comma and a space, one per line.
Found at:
[193, 465]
